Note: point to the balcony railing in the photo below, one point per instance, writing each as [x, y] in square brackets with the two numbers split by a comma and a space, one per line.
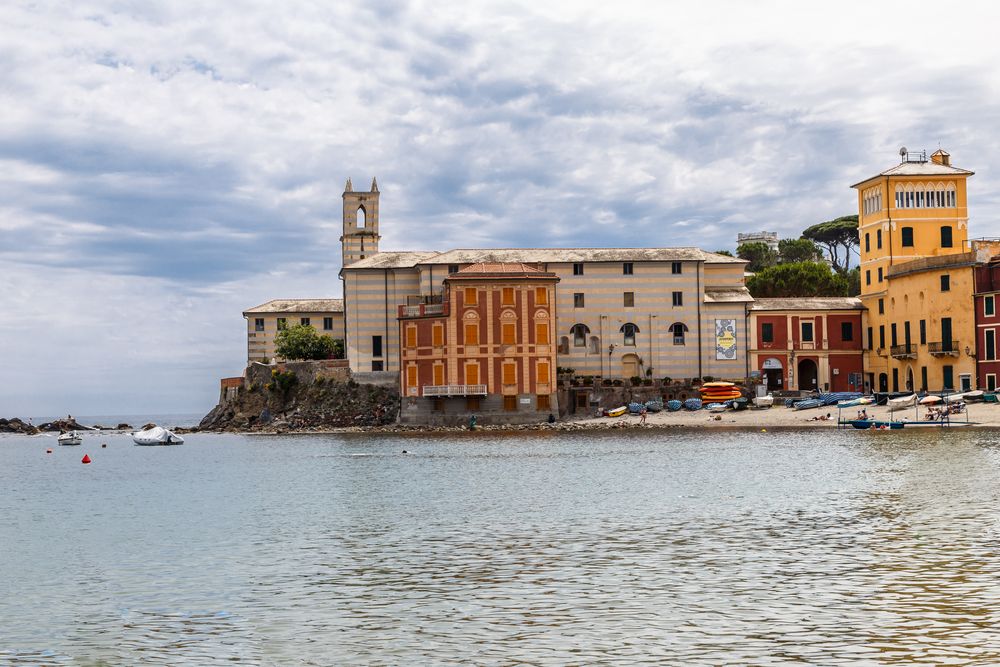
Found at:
[455, 390]
[904, 351]
[424, 310]
[942, 348]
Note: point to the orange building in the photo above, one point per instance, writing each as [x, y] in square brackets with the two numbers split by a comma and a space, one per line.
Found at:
[486, 349]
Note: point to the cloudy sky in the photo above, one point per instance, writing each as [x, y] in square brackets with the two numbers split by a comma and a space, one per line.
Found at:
[165, 165]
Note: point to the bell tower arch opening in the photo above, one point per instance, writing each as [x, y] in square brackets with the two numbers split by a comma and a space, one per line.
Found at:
[360, 234]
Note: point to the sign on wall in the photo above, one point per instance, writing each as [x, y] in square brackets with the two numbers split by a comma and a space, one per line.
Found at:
[725, 339]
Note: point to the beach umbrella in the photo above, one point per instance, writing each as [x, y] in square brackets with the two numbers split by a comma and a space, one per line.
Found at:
[928, 400]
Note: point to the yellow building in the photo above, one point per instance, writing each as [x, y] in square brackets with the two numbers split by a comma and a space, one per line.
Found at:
[266, 320]
[916, 275]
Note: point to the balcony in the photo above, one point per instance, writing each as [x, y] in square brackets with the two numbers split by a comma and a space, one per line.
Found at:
[943, 348]
[454, 390]
[423, 310]
[904, 351]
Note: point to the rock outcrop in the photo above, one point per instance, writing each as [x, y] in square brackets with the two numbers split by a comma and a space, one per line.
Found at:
[273, 399]
[15, 425]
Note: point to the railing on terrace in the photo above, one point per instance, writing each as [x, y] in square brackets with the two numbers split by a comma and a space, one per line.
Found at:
[906, 350]
[455, 390]
[943, 347]
[424, 310]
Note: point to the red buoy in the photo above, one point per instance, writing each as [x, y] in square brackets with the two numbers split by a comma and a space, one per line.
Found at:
[86, 458]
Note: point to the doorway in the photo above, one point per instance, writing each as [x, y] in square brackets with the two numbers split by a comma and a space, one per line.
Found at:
[808, 374]
[630, 366]
[773, 374]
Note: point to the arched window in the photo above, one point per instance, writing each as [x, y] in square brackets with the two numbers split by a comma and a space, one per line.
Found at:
[678, 329]
[899, 196]
[951, 201]
[362, 216]
[595, 345]
[907, 234]
[630, 330]
[580, 332]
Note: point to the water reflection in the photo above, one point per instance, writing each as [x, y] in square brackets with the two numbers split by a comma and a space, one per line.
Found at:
[683, 548]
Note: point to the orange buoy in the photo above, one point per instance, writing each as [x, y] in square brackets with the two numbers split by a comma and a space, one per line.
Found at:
[85, 459]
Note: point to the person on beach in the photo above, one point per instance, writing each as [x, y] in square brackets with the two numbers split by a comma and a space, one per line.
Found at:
[642, 416]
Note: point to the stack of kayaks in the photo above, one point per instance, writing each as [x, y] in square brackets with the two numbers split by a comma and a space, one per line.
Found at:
[692, 404]
[719, 392]
[674, 405]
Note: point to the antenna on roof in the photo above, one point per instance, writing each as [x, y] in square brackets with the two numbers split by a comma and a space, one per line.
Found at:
[902, 152]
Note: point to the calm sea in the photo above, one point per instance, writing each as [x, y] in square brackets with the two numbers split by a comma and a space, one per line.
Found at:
[659, 548]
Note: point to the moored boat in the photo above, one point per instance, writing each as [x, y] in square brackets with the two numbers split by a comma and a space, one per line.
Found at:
[876, 424]
[69, 438]
[157, 436]
[618, 412]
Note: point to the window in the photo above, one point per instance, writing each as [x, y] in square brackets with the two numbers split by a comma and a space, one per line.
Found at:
[948, 374]
[543, 372]
[630, 331]
[438, 374]
[678, 329]
[507, 296]
[510, 403]
[894, 341]
[453, 268]
[304, 321]
[807, 332]
[627, 268]
[675, 267]
[868, 242]
[471, 296]
[923, 332]
[871, 343]
[541, 296]
[258, 324]
[472, 404]
[878, 239]
[438, 405]
[923, 378]
[542, 402]
[510, 374]
[411, 376]
[541, 333]
[767, 332]
[991, 382]
[437, 335]
[282, 324]
[989, 306]
[377, 366]
[881, 336]
[907, 236]
[678, 298]
[578, 269]
[578, 300]
[471, 337]
[327, 324]
[508, 333]
[411, 336]
[846, 331]
[880, 277]
[580, 332]
[990, 353]
[628, 299]
[471, 373]
[881, 306]
[946, 283]
[868, 277]
[946, 236]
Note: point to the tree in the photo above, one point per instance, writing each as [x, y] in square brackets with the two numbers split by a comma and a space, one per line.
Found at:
[798, 279]
[854, 281]
[798, 250]
[758, 254]
[724, 252]
[834, 236]
[303, 342]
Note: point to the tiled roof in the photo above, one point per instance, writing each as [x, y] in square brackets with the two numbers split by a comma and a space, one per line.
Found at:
[393, 260]
[568, 255]
[919, 169]
[808, 303]
[727, 295]
[500, 267]
[299, 306]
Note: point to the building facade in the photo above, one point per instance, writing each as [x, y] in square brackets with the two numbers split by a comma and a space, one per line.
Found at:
[266, 320]
[987, 278]
[486, 349]
[807, 344]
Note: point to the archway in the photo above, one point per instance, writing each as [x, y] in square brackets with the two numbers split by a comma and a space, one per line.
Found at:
[883, 382]
[630, 365]
[909, 378]
[808, 375]
[772, 372]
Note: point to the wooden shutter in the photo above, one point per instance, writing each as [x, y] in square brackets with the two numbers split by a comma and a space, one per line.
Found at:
[543, 372]
[437, 335]
[471, 374]
[411, 336]
[472, 334]
[439, 375]
[508, 333]
[541, 333]
[411, 376]
[509, 374]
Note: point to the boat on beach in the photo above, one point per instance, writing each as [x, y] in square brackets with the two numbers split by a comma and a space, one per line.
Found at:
[69, 438]
[876, 424]
[618, 412]
[157, 436]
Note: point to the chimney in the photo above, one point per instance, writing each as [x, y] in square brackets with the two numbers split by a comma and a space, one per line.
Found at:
[941, 157]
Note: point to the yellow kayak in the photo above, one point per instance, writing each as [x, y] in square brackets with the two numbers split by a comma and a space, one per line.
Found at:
[618, 412]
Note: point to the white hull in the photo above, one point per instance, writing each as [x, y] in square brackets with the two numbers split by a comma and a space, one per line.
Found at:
[70, 439]
[156, 436]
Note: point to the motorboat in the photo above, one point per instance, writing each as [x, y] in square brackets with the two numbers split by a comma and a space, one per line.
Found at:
[69, 438]
[157, 436]
[902, 402]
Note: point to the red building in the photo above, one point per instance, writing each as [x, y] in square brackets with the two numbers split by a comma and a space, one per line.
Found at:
[485, 349]
[807, 343]
[987, 277]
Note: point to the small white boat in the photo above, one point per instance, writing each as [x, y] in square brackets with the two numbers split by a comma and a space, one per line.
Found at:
[902, 402]
[764, 401]
[716, 407]
[69, 438]
[157, 436]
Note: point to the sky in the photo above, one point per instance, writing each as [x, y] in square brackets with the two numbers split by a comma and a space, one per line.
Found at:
[164, 166]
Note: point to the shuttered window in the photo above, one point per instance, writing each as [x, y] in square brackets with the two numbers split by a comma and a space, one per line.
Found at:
[411, 336]
[411, 376]
[437, 335]
[471, 296]
[439, 375]
[507, 296]
[472, 334]
[541, 296]
[508, 333]
[541, 333]
[471, 374]
[543, 371]
[509, 374]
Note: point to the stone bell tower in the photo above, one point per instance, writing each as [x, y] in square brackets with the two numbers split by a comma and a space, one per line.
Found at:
[360, 237]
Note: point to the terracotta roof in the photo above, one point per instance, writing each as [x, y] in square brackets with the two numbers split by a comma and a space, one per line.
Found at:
[299, 306]
[500, 267]
[808, 303]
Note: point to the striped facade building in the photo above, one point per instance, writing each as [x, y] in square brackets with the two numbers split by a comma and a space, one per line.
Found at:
[619, 312]
[266, 320]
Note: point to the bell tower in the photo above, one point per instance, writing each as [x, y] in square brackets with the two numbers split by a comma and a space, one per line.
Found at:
[360, 236]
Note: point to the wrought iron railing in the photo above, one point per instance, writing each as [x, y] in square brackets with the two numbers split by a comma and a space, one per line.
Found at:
[904, 350]
[455, 390]
[943, 347]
